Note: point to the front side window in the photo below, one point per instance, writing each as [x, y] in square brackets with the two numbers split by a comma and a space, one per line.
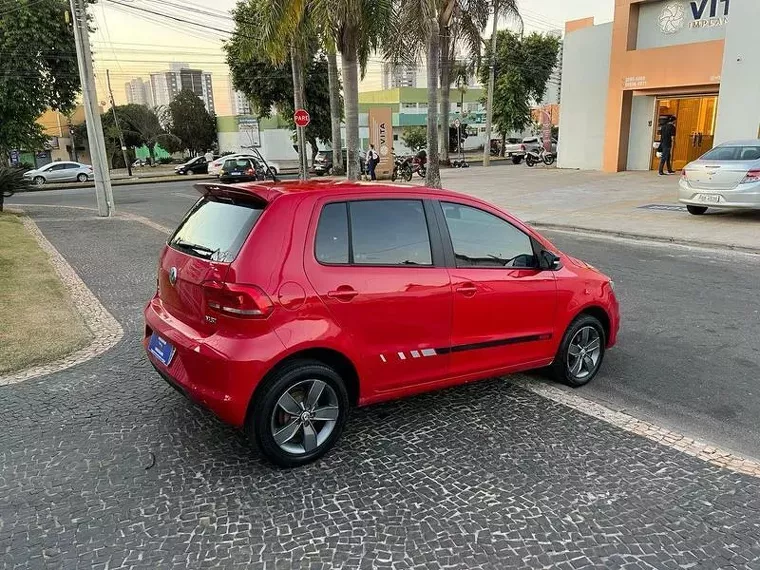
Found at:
[481, 239]
[382, 232]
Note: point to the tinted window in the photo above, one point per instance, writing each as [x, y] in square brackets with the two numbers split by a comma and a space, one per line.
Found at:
[389, 232]
[71, 166]
[332, 234]
[481, 239]
[215, 230]
[749, 152]
[57, 167]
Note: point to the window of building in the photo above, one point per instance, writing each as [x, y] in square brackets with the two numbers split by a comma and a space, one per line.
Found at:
[408, 105]
[481, 239]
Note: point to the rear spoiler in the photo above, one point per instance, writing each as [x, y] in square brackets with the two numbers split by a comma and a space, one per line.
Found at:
[259, 193]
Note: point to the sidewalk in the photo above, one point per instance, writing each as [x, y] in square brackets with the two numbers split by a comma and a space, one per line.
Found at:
[630, 204]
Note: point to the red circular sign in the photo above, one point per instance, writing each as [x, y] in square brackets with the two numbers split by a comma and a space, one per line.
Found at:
[301, 117]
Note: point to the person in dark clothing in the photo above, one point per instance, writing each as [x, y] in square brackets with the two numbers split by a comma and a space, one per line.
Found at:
[667, 136]
[372, 159]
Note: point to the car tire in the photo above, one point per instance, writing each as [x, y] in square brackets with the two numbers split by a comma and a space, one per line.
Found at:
[517, 159]
[38, 180]
[585, 331]
[696, 210]
[287, 390]
[82, 178]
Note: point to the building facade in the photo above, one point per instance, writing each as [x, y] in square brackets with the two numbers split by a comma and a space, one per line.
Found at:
[396, 76]
[239, 103]
[693, 60]
[165, 85]
[138, 92]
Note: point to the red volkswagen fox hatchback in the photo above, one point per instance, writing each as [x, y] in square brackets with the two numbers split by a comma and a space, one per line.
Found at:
[280, 306]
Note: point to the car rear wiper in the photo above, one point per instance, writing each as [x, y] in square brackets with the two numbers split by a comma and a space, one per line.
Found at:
[197, 248]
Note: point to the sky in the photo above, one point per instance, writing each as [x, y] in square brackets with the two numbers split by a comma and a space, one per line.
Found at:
[131, 42]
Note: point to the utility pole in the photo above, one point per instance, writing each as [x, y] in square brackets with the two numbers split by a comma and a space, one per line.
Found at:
[103, 191]
[118, 127]
[491, 82]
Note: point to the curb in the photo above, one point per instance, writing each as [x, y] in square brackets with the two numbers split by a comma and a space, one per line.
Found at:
[674, 440]
[104, 328]
[118, 182]
[637, 236]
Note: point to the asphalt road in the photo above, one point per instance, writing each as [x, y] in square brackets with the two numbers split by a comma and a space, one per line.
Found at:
[687, 357]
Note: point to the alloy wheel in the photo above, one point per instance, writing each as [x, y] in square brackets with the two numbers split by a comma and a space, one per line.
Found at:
[584, 352]
[304, 416]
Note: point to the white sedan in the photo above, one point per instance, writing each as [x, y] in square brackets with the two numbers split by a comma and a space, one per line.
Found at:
[215, 167]
[62, 171]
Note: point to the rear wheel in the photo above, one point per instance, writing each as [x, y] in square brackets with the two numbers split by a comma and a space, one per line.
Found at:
[406, 174]
[82, 178]
[517, 159]
[299, 413]
[696, 210]
[549, 159]
[529, 161]
[581, 352]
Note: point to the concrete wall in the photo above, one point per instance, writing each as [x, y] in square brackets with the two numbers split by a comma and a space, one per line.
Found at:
[739, 99]
[585, 79]
[276, 144]
[642, 133]
[659, 29]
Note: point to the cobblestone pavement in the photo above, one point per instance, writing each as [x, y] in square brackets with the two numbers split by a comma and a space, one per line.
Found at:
[104, 466]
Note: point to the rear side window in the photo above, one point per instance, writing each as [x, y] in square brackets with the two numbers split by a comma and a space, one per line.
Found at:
[739, 153]
[481, 239]
[382, 232]
[215, 230]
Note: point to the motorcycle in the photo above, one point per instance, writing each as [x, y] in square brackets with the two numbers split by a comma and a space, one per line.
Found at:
[419, 163]
[402, 167]
[533, 157]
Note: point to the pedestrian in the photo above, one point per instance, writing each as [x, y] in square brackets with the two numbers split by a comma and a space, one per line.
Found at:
[372, 159]
[667, 137]
[209, 156]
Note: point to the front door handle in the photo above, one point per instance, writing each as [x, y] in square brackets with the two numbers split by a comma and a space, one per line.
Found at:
[343, 293]
[467, 289]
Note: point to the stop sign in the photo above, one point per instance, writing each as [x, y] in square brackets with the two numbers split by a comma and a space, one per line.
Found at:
[301, 117]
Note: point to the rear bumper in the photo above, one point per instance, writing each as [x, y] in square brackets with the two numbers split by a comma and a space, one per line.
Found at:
[216, 372]
[743, 196]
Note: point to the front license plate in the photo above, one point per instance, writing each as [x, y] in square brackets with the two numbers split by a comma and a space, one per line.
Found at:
[710, 198]
[162, 350]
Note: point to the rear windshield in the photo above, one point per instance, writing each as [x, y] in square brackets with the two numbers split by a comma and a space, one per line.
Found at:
[215, 229]
[749, 152]
[237, 163]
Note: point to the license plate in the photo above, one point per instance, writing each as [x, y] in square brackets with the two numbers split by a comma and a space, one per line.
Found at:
[710, 198]
[161, 349]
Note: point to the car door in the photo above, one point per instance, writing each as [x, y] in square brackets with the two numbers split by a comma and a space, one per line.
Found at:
[504, 305]
[55, 172]
[69, 172]
[378, 266]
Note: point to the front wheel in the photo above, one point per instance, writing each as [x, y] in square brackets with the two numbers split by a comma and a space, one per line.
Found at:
[696, 210]
[394, 175]
[38, 180]
[422, 172]
[407, 174]
[581, 352]
[549, 159]
[299, 413]
[530, 161]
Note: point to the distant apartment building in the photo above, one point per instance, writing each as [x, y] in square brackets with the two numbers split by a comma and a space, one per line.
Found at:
[138, 92]
[239, 103]
[165, 85]
[554, 85]
[395, 76]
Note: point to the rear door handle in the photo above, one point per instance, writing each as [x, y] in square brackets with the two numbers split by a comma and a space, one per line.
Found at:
[467, 289]
[343, 293]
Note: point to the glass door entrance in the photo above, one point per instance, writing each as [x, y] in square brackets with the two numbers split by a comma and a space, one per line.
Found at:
[695, 127]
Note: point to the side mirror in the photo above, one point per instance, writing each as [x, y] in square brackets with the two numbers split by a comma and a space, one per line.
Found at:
[549, 261]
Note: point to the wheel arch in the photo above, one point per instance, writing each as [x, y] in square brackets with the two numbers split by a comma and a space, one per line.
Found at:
[601, 315]
[335, 359]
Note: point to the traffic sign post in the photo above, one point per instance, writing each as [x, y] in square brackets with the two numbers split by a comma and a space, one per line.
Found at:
[301, 118]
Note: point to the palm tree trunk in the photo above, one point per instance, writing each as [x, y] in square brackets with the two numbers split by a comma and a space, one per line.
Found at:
[445, 93]
[335, 111]
[491, 82]
[433, 177]
[299, 101]
[351, 99]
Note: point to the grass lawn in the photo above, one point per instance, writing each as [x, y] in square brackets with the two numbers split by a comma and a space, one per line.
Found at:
[38, 322]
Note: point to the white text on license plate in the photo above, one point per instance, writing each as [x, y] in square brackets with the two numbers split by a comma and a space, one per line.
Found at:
[711, 198]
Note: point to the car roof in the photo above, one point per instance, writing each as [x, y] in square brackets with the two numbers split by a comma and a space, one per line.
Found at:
[745, 142]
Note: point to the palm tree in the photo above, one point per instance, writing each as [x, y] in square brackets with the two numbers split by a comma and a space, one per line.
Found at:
[335, 110]
[357, 27]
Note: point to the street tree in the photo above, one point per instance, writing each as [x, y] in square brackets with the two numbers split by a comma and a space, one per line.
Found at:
[190, 122]
[37, 70]
[414, 137]
[145, 125]
[522, 68]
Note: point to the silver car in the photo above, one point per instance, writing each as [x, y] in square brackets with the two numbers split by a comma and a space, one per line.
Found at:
[728, 176]
[62, 171]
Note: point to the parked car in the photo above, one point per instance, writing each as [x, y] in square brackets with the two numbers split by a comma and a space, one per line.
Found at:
[515, 149]
[323, 162]
[215, 166]
[239, 170]
[197, 165]
[728, 176]
[62, 171]
[280, 306]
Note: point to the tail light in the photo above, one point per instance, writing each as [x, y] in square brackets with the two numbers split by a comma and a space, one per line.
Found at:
[522, 147]
[242, 301]
[752, 176]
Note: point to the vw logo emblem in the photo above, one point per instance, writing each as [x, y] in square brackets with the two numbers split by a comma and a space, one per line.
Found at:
[173, 275]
